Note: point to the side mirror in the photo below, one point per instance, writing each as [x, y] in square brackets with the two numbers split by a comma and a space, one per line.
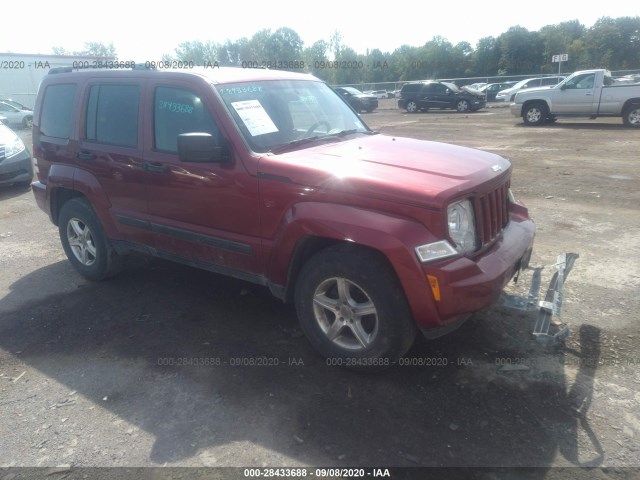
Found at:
[563, 86]
[201, 148]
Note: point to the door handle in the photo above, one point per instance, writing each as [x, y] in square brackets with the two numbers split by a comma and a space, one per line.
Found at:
[86, 156]
[155, 167]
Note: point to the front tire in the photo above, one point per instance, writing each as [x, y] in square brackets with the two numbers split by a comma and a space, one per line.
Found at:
[462, 106]
[85, 242]
[535, 114]
[352, 308]
[631, 116]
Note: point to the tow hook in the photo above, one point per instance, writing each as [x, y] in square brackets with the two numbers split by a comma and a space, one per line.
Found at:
[552, 303]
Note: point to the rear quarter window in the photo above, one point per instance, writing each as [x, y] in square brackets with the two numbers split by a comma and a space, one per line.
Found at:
[57, 110]
[411, 88]
[112, 114]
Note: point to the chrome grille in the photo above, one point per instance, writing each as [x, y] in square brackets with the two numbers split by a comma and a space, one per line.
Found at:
[492, 213]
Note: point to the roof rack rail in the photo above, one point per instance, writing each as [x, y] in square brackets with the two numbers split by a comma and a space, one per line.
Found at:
[60, 70]
[143, 66]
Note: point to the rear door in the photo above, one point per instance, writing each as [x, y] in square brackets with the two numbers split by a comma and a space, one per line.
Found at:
[202, 213]
[109, 153]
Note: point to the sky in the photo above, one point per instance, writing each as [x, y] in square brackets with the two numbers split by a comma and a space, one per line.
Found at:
[145, 31]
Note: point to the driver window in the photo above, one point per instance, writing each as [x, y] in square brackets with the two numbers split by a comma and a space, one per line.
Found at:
[581, 82]
[586, 82]
[179, 111]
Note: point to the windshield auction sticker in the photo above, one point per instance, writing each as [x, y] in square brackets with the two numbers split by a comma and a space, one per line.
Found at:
[254, 117]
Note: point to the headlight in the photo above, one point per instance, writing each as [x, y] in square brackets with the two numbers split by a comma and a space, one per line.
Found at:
[462, 225]
[12, 143]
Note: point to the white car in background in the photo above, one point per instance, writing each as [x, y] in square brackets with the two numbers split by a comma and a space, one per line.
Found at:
[16, 115]
[380, 94]
[509, 94]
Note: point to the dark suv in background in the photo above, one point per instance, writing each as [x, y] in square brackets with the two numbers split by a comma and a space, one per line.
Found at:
[358, 100]
[443, 95]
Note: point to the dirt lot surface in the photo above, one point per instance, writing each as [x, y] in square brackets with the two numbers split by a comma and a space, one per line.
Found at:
[141, 370]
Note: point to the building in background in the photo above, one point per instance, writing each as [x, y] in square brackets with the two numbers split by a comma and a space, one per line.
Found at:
[21, 73]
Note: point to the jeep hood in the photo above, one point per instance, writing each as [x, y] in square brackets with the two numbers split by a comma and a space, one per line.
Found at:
[397, 169]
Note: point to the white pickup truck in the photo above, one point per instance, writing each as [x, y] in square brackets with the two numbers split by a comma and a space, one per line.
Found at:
[588, 93]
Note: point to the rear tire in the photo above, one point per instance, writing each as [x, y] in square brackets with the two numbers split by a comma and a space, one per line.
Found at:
[352, 308]
[85, 243]
[631, 116]
[412, 107]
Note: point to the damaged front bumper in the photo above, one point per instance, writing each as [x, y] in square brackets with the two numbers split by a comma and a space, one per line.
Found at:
[552, 303]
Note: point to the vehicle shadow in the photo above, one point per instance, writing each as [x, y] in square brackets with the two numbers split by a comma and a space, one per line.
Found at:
[198, 361]
[12, 191]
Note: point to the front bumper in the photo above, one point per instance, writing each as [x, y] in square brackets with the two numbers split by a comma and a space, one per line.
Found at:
[478, 104]
[516, 109]
[16, 169]
[468, 285]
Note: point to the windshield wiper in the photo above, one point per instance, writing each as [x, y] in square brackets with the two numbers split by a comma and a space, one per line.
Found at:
[354, 130]
[302, 141]
[294, 143]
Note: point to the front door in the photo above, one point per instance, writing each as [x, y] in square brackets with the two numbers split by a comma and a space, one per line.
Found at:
[577, 96]
[202, 213]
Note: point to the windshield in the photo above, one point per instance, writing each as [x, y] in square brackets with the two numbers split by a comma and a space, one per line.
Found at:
[275, 113]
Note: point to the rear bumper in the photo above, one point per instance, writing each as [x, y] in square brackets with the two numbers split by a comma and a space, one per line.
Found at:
[468, 285]
[39, 190]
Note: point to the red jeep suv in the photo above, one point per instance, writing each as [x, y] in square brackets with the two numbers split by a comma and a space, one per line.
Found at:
[271, 177]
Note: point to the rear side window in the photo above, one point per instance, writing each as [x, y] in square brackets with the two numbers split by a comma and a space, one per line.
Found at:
[57, 110]
[177, 111]
[411, 88]
[112, 115]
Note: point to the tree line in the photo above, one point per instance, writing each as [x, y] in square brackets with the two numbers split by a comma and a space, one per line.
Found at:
[612, 43]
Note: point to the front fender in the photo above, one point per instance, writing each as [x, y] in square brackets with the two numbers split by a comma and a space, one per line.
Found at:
[394, 237]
